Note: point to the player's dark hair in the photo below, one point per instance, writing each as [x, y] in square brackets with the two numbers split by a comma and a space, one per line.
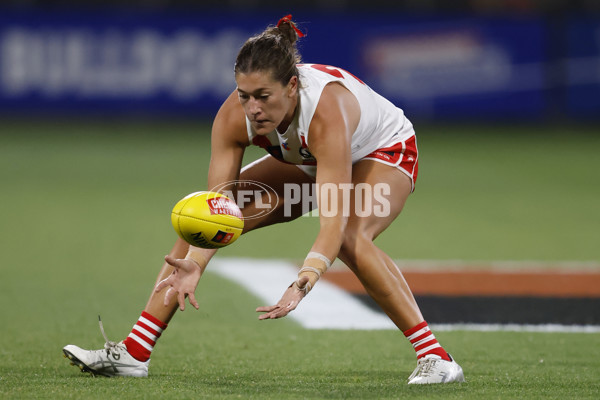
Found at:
[273, 50]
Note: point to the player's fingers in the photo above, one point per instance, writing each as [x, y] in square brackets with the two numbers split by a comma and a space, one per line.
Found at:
[266, 308]
[279, 313]
[268, 314]
[172, 261]
[181, 300]
[168, 295]
[282, 311]
[160, 286]
[192, 300]
[271, 315]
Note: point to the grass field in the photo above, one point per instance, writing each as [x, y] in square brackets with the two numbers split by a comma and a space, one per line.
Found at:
[85, 222]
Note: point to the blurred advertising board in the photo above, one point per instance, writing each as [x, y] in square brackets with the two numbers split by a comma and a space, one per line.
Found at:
[459, 68]
[116, 63]
[113, 63]
[583, 68]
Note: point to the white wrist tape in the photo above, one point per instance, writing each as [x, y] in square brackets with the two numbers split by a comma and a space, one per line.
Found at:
[314, 254]
[315, 265]
[197, 258]
[310, 269]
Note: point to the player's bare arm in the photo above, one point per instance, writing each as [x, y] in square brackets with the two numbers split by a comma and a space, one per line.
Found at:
[228, 142]
[329, 140]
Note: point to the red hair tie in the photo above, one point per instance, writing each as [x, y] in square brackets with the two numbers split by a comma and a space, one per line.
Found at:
[288, 20]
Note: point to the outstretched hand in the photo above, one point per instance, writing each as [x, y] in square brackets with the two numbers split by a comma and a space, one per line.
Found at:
[289, 301]
[182, 282]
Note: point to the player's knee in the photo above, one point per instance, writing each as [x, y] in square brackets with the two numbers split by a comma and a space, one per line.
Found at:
[355, 246]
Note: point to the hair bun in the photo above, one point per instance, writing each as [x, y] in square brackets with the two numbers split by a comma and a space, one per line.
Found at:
[287, 21]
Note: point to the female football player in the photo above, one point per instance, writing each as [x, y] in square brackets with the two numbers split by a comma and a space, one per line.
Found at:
[322, 125]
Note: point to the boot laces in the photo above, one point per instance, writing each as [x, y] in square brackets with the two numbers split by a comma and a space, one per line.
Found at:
[109, 345]
[425, 367]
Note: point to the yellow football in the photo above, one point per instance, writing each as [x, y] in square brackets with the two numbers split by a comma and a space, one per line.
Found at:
[207, 219]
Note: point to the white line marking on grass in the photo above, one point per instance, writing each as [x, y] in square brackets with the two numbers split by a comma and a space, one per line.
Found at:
[544, 328]
[329, 307]
[499, 266]
[326, 307]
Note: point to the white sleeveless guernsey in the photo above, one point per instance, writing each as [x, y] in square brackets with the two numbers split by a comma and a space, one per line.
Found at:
[381, 123]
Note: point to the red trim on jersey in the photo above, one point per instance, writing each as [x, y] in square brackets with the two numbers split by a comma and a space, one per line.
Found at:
[261, 141]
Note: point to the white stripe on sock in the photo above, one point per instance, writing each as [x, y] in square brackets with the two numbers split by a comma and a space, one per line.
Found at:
[150, 324]
[424, 340]
[145, 332]
[143, 343]
[419, 333]
[426, 349]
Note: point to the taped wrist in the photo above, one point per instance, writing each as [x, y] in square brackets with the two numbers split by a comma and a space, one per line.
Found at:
[314, 266]
[198, 258]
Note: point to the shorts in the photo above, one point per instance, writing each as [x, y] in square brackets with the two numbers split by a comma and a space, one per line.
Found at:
[402, 155]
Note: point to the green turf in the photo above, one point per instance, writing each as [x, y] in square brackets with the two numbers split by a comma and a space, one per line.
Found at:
[493, 193]
[85, 222]
[222, 351]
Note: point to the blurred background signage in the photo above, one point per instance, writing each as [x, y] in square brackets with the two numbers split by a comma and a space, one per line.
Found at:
[180, 64]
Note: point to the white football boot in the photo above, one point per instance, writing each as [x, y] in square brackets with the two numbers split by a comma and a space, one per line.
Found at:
[113, 360]
[433, 369]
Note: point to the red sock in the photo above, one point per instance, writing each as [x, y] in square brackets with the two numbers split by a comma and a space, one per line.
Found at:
[143, 336]
[424, 342]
